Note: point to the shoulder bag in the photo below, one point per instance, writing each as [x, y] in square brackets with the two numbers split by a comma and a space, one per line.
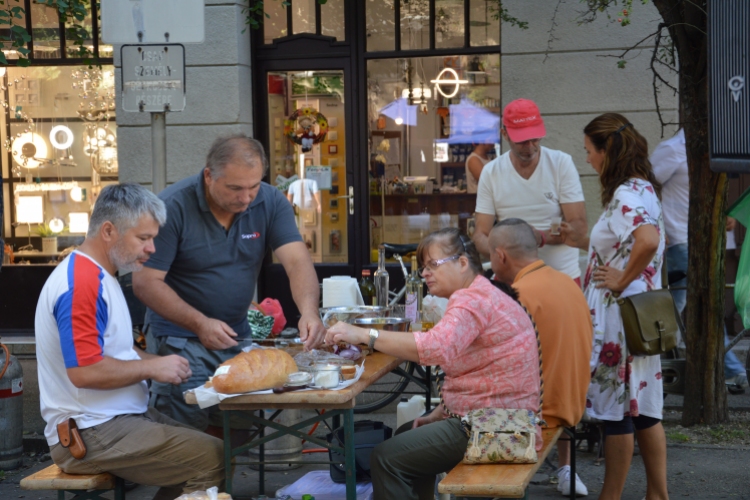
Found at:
[650, 322]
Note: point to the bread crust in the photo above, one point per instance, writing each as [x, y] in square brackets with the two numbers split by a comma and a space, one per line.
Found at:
[257, 370]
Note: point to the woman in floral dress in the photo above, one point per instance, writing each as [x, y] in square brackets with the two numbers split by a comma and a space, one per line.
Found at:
[626, 251]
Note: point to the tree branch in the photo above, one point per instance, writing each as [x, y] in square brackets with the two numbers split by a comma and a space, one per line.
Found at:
[552, 38]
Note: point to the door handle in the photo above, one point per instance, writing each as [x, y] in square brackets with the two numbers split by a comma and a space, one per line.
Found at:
[350, 197]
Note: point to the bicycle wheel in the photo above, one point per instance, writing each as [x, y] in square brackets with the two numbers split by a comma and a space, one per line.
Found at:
[384, 391]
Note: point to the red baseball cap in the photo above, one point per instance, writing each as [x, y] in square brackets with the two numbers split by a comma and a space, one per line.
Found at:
[523, 121]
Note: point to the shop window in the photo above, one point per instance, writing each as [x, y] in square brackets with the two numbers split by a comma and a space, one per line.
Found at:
[449, 24]
[426, 117]
[415, 24]
[307, 156]
[45, 32]
[381, 26]
[61, 148]
[484, 23]
[306, 16]
[332, 19]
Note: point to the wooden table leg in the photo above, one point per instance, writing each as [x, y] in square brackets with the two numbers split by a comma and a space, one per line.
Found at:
[349, 460]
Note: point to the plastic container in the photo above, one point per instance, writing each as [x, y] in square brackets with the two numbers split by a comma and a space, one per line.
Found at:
[409, 409]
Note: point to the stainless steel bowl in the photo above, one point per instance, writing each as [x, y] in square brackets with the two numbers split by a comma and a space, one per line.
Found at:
[332, 315]
[390, 324]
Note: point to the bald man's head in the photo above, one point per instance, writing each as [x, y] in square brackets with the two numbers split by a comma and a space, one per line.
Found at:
[516, 238]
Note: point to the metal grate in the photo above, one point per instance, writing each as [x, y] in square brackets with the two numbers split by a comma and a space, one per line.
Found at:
[729, 47]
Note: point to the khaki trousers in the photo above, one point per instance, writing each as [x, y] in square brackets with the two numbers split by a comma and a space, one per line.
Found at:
[149, 449]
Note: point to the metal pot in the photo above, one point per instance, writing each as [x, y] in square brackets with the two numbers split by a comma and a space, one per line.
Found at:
[389, 324]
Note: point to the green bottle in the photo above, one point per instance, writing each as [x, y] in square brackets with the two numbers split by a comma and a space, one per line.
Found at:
[367, 288]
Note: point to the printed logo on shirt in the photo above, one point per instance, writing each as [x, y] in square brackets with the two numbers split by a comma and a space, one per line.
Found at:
[551, 197]
[251, 236]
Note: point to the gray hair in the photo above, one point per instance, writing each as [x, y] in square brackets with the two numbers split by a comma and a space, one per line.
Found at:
[123, 205]
[516, 237]
[235, 149]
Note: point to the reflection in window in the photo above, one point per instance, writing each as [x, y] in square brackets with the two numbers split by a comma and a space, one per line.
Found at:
[484, 23]
[274, 22]
[303, 16]
[426, 117]
[381, 27]
[449, 24]
[332, 19]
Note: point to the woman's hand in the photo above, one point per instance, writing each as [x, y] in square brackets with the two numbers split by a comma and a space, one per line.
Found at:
[609, 277]
[435, 415]
[344, 332]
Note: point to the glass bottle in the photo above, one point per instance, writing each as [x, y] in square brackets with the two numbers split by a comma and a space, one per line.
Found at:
[367, 288]
[413, 310]
[381, 279]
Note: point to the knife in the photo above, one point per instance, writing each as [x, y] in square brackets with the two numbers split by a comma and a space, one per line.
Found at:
[285, 388]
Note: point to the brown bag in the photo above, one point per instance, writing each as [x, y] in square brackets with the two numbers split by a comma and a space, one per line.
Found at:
[650, 321]
[71, 439]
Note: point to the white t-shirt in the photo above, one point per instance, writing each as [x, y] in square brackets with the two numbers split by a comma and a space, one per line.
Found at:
[471, 182]
[503, 193]
[669, 161]
[81, 317]
[303, 193]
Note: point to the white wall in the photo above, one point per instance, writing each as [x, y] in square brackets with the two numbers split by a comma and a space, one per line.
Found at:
[577, 79]
[218, 83]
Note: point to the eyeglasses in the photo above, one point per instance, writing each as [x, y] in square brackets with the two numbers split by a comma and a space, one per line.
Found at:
[434, 264]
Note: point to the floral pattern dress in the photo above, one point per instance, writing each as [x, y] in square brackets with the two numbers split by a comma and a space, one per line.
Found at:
[622, 384]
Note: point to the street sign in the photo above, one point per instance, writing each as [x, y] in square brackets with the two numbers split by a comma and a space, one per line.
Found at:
[152, 21]
[153, 78]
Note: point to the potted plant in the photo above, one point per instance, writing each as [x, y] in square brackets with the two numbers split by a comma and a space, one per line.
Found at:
[49, 237]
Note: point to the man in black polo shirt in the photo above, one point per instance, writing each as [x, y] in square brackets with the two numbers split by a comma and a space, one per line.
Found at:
[201, 280]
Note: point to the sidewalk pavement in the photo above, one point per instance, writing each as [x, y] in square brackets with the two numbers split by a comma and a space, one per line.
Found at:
[702, 472]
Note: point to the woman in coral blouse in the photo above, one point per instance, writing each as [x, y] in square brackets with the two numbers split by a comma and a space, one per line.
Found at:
[487, 348]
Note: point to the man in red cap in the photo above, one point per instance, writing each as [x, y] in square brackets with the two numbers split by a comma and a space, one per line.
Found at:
[533, 183]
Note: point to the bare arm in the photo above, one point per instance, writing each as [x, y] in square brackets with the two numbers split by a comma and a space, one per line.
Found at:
[644, 248]
[305, 290]
[150, 288]
[316, 195]
[399, 344]
[575, 215]
[111, 373]
[484, 223]
[475, 167]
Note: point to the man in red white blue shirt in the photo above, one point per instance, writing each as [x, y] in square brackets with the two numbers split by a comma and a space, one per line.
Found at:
[90, 371]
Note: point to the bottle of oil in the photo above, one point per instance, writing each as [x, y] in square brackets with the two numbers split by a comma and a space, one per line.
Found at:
[413, 310]
[367, 288]
[381, 279]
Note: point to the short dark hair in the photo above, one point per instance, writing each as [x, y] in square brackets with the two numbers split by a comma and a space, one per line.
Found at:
[235, 148]
[519, 240]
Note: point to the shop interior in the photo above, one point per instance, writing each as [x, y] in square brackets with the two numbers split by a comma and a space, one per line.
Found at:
[426, 116]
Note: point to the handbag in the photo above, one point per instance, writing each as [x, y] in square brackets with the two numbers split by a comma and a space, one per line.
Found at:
[500, 435]
[650, 322]
[367, 435]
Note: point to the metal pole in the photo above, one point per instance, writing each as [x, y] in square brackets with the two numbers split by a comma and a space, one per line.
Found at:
[158, 151]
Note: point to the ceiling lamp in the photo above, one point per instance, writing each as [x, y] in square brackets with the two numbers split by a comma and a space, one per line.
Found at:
[417, 93]
[455, 81]
[67, 139]
[29, 150]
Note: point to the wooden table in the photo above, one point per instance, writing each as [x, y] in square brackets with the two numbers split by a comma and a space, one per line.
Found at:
[335, 403]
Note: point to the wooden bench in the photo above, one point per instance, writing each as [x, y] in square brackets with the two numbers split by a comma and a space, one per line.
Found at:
[83, 486]
[500, 480]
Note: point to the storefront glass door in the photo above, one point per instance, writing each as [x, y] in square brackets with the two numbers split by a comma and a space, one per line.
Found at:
[307, 156]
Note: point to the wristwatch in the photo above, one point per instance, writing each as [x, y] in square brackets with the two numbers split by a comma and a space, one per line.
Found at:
[373, 337]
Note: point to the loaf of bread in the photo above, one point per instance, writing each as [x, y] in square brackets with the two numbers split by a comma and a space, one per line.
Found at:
[257, 370]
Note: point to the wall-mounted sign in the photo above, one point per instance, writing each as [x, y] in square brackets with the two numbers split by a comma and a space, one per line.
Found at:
[153, 78]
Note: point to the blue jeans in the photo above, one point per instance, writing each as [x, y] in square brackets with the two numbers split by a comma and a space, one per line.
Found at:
[677, 260]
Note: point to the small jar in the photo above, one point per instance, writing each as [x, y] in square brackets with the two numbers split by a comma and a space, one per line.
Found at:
[326, 376]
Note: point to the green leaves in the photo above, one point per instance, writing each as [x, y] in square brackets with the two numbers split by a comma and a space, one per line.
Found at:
[255, 12]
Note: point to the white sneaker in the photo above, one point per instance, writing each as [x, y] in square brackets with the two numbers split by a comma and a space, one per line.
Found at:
[563, 482]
